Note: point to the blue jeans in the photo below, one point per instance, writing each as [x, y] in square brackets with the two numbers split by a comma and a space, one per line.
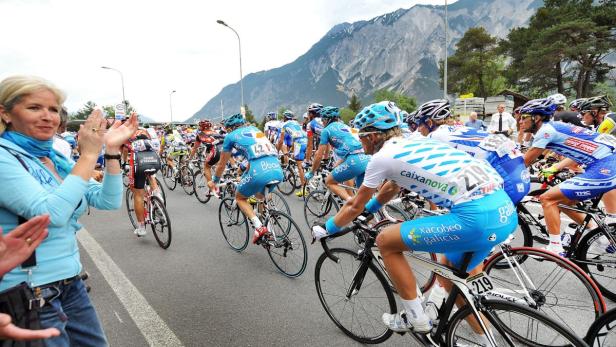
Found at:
[69, 309]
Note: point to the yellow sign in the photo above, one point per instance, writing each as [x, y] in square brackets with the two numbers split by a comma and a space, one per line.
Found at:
[467, 96]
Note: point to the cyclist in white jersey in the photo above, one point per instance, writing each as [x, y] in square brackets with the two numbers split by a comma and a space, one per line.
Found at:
[272, 127]
[482, 215]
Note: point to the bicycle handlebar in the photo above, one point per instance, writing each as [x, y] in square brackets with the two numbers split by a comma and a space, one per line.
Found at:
[357, 224]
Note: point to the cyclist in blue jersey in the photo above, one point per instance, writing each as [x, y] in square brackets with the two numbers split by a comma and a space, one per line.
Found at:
[500, 151]
[313, 128]
[292, 136]
[263, 166]
[351, 162]
[584, 146]
[482, 215]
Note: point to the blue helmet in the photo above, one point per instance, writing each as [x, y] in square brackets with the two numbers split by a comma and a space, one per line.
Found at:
[287, 115]
[330, 112]
[271, 115]
[543, 107]
[382, 116]
[232, 121]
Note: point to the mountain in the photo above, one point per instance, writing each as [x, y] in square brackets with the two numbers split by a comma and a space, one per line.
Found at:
[398, 51]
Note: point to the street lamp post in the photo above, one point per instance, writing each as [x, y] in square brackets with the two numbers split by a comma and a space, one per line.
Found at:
[171, 105]
[122, 79]
[445, 65]
[240, 49]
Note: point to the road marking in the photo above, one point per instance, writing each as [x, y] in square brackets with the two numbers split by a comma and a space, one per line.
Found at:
[153, 328]
[118, 316]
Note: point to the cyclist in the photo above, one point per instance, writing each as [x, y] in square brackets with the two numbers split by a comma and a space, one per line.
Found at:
[171, 146]
[143, 159]
[498, 150]
[403, 119]
[292, 136]
[580, 145]
[593, 110]
[211, 141]
[263, 166]
[575, 104]
[482, 215]
[272, 127]
[351, 162]
[313, 129]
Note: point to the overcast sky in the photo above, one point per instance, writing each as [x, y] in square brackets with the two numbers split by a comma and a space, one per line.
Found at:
[160, 46]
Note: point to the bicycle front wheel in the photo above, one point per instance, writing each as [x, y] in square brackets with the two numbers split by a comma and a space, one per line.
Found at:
[601, 332]
[356, 311]
[286, 246]
[202, 191]
[277, 202]
[511, 325]
[596, 254]
[559, 288]
[287, 186]
[161, 224]
[233, 224]
[319, 207]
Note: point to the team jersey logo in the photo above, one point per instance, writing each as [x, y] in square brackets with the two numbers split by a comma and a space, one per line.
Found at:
[584, 146]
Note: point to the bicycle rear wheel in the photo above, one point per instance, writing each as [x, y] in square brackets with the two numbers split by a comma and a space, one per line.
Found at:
[559, 288]
[286, 246]
[202, 191]
[186, 179]
[511, 325]
[130, 207]
[161, 224]
[162, 191]
[319, 207]
[602, 332]
[287, 186]
[233, 224]
[521, 237]
[596, 255]
[358, 315]
[169, 177]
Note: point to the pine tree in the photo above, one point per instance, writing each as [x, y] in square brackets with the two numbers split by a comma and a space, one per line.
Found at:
[355, 103]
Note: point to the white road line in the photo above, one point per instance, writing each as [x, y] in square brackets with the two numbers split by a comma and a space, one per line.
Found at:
[118, 316]
[153, 328]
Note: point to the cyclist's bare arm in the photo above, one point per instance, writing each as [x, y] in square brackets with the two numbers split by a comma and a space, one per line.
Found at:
[354, 207]
[531, 155]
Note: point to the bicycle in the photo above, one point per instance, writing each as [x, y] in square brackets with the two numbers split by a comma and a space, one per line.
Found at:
[155, 214]
[601, 332]
[182, 174]
[452, 329]
[284, 242]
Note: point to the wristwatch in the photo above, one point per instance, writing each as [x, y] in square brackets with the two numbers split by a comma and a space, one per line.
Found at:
[112, 156]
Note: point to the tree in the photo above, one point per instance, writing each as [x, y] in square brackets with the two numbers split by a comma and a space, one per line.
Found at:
[355, 103]
[346, 114]
[250, 117]
[564, 47]
[407, 103]
[84, 112]
[476, 66]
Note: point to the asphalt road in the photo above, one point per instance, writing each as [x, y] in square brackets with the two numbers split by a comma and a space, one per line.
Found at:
[200, 292]
[206, 293]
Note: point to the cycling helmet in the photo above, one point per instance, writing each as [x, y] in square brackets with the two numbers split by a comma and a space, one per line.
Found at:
[329, 112]
[435, 109]
[205, 123]
[315, 108]
[600, 103]
[404, 116]
[558, 99]
[271, 115]
[543, 107]
[235, 120]
[575, 104]
[412, 118]
[305, 115]
[382, 116]
[288, 115]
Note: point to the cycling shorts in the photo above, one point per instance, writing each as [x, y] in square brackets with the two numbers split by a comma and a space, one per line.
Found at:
[515, 176]
[299, 150]
[353, 166]
[598, 178]
[147, 162]
[261, 172]
[288, 140]
[474, 226]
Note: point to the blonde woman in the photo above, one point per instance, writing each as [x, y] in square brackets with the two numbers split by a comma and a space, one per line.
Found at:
[37, 180]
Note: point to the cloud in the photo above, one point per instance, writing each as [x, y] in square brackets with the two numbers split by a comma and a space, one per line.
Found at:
[162, 45]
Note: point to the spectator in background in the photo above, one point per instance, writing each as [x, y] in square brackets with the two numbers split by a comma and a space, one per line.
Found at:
[475, 123]
[502, 122]
[59, 143]
[38, 180]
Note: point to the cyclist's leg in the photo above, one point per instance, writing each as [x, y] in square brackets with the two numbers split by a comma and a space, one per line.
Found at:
[353, 166]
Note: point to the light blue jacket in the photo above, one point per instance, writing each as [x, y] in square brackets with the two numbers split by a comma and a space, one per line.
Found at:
[37, 192]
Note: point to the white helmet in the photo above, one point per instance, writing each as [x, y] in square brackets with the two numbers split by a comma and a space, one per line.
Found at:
[558, 99]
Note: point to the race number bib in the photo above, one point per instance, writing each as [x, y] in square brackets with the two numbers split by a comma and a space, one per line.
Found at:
[471, 177]
[497, 143]
[262, 148]
[607, 139]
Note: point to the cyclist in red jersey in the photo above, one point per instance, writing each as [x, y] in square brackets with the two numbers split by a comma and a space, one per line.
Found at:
[212, 141]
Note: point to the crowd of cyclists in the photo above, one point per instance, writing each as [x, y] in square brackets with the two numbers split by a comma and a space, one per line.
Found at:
[478, 177]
